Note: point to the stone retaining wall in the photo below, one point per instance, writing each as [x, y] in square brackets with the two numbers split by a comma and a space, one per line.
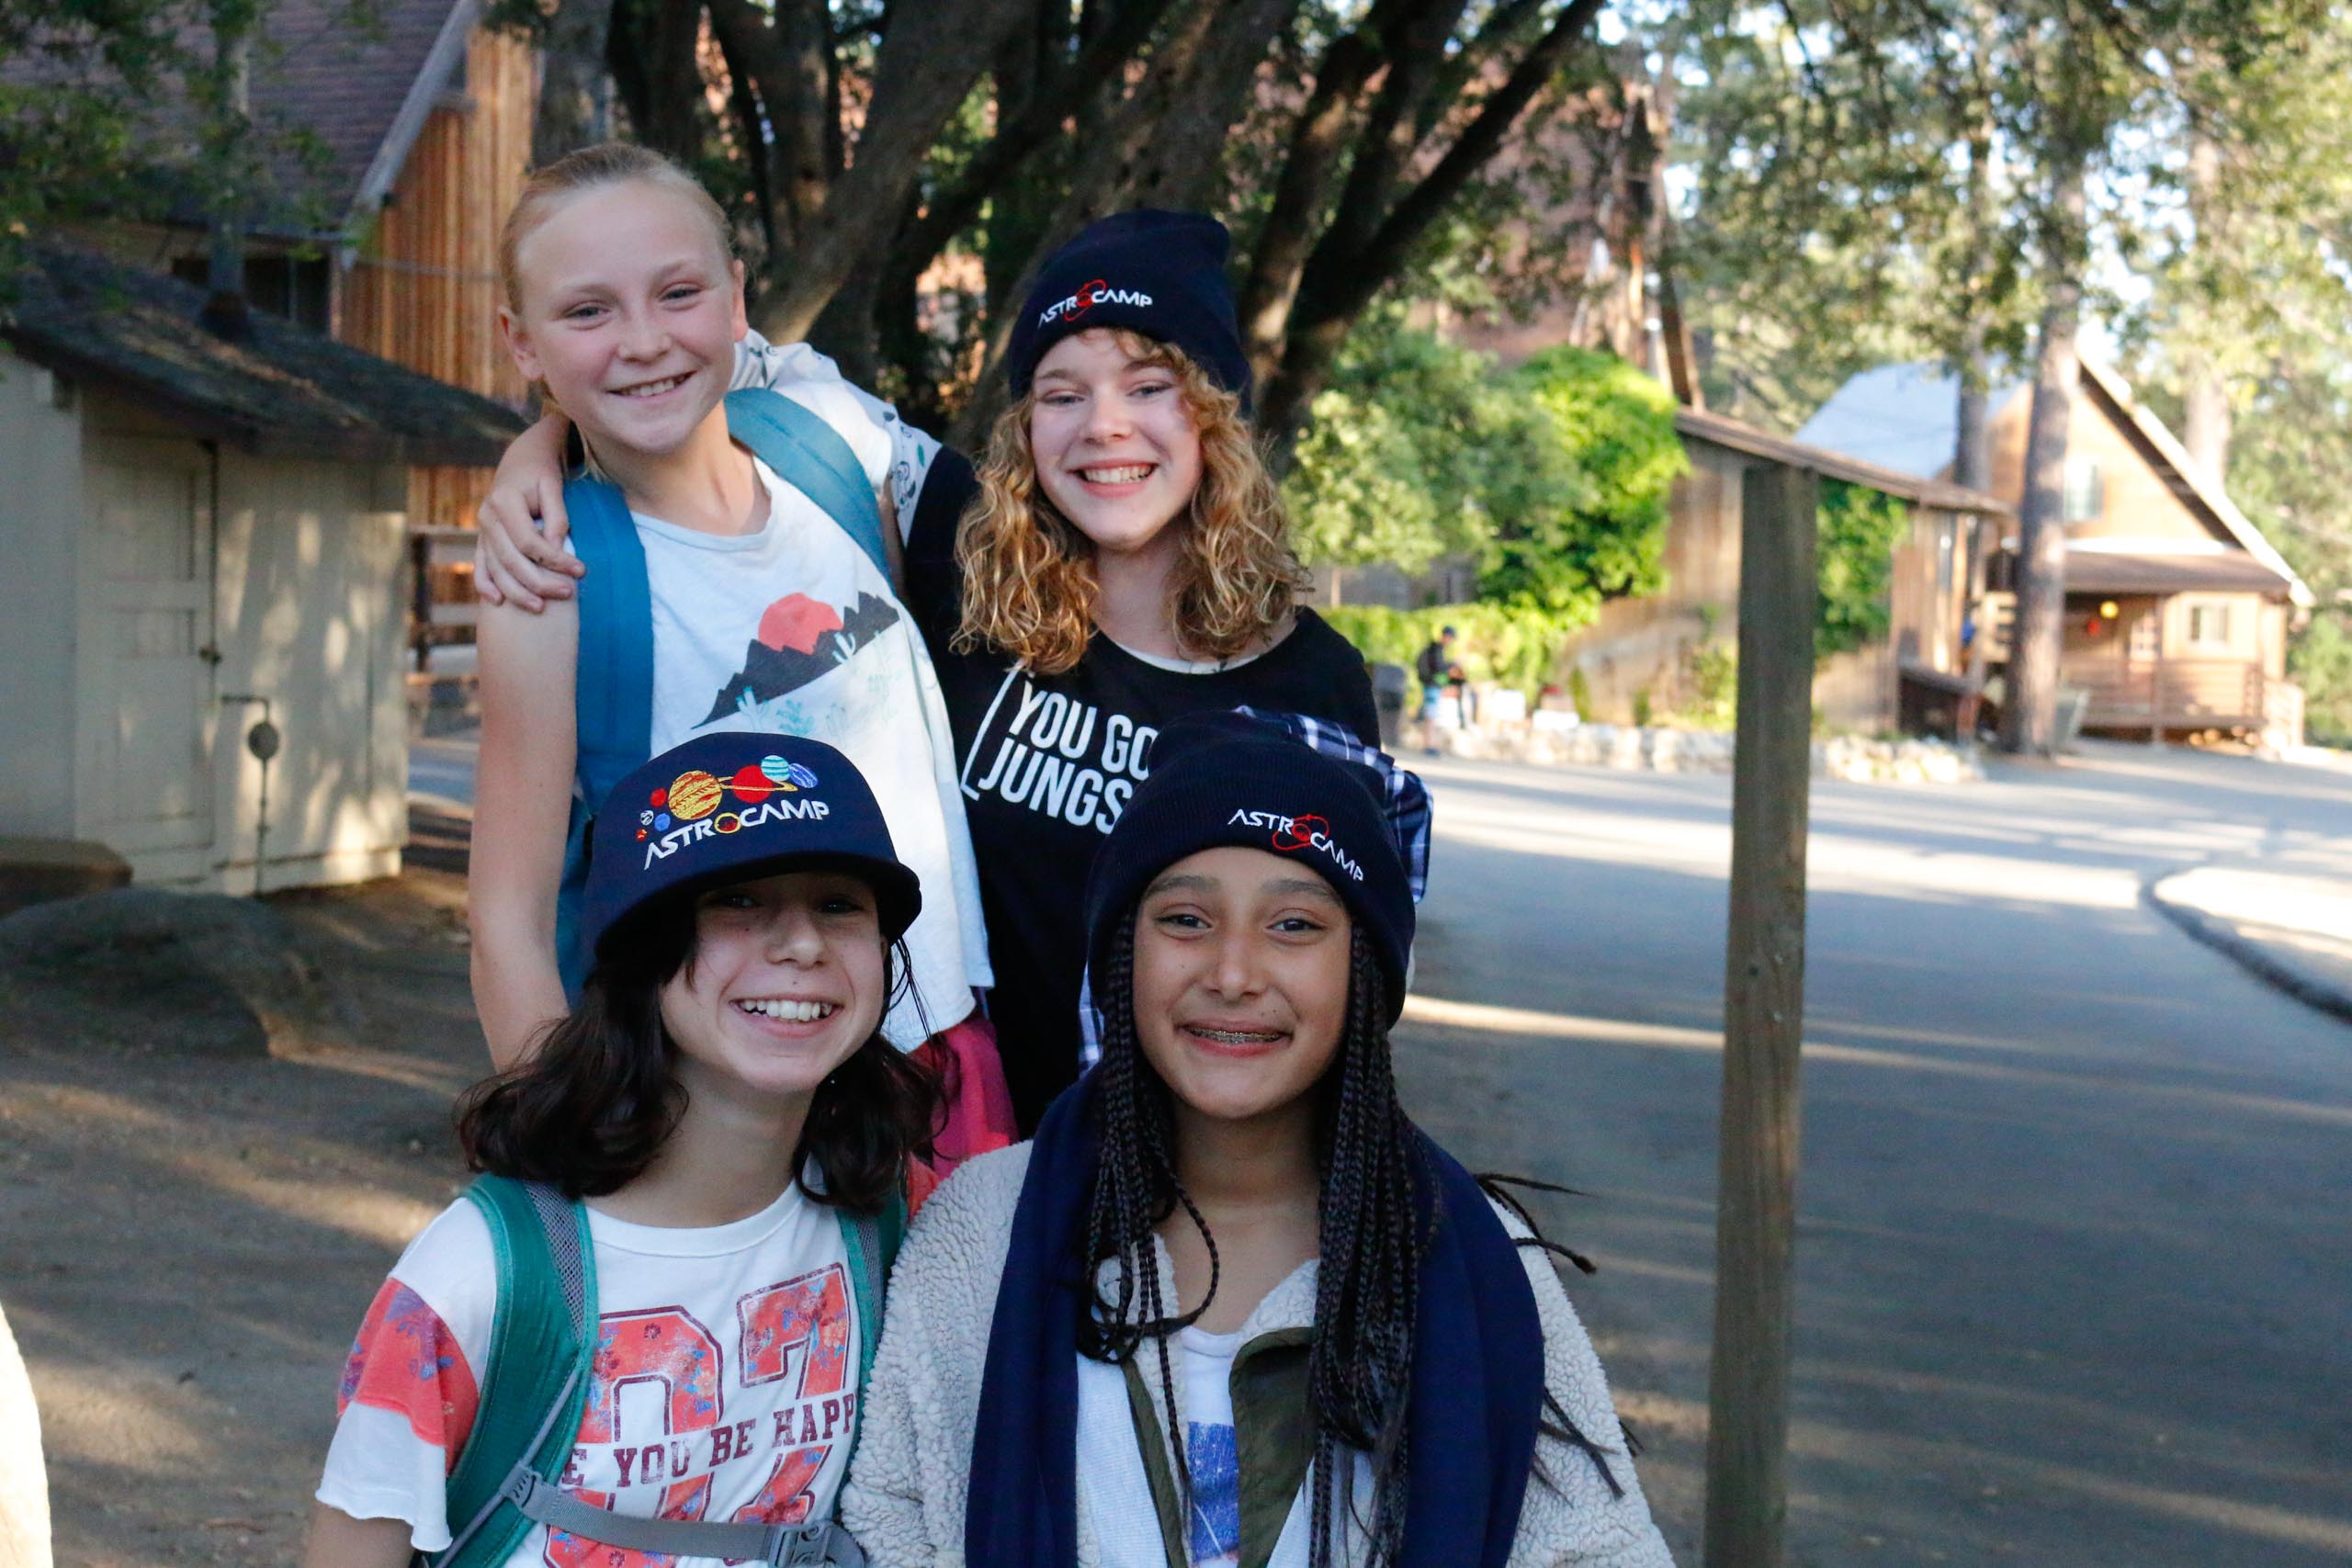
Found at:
[1637, 748]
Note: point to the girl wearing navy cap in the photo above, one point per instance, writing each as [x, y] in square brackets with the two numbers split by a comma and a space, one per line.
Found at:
[722, 1120]
[1122, 560]
[1231, 1306]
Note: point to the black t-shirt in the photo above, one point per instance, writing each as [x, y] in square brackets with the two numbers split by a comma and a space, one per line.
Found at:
[1048, 763]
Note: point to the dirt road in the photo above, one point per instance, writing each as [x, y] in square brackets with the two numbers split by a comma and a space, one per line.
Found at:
[189, 1244]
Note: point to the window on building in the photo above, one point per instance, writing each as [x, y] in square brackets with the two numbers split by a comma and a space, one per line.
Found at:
[2085, 496]
[295, 287]
[2209, 626]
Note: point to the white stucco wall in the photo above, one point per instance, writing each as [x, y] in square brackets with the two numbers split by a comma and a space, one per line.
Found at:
[207, 576]
[40, 506]
[308, 613]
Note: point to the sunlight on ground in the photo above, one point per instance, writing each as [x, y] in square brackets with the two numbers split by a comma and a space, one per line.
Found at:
[1835, 864]
[1661, 1416]
[348, 1208]
[1521, 1025]
[86, 1409]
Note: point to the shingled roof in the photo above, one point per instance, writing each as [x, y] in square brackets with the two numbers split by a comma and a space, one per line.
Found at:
[362, 91]
[356, 93]
[271, 387]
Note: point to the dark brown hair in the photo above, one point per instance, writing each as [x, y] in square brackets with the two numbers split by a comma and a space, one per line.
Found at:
[589, 1110]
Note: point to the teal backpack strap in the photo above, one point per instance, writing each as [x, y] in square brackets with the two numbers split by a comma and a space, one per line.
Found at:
[809, 456]
[542, 1342]
[872, 1242]
[612, 691]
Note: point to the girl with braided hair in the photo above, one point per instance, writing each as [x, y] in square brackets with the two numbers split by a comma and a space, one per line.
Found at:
[1231, 1305]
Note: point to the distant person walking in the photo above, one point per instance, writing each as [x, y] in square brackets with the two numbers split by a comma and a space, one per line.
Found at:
[1438, 669]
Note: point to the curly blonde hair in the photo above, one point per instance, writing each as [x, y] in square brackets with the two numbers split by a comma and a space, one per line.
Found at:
[1029, 585]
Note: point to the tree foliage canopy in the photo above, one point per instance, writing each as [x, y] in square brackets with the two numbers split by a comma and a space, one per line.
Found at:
[1553, 478]
[1616, 423]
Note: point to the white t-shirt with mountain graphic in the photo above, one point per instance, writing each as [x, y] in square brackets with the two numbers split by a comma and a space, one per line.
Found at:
[793, 629]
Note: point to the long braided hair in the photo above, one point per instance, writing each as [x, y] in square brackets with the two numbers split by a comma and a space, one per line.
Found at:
[1360, 1359]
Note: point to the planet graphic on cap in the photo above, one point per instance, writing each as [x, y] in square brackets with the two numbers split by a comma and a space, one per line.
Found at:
[751, 785]
[694, 795]
[778, 772]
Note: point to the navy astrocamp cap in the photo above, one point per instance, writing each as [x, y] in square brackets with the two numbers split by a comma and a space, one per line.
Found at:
[1227, 778]
[732, 808]
[1161, 274]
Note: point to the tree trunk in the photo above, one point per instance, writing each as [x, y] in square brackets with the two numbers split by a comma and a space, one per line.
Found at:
[1194, 90]
[672, 123]
[2030, 708]
[2206, 430]
[934, 52]
[1339, 279]
[1972, 457]
[575, 93]
[788, 60]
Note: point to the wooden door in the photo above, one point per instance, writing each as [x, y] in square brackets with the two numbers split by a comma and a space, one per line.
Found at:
[149, 711]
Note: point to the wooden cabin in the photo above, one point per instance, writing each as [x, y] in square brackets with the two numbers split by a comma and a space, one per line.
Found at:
[1643, 653]
[388, 241]
[2177, 609]
[205, 519]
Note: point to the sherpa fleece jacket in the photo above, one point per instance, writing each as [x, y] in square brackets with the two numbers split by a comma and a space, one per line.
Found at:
[908, 1482]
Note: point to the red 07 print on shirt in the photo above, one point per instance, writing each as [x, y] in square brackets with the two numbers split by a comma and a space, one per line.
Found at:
[806, 1321]
[666, 1349]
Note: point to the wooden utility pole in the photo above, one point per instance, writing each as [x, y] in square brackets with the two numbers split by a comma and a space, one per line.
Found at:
[1748, 1387]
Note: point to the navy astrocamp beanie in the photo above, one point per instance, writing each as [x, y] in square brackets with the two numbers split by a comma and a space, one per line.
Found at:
[1159, 274]
[1226, 778]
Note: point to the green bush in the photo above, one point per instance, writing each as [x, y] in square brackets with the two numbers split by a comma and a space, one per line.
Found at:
[2321, 662]
[1506, 644]
[1854, 562]
[1710, 681]
[1617, 424]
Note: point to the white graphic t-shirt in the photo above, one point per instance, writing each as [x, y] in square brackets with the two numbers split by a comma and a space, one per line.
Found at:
[724, 1381]
[1212, 1535]
[793, 628]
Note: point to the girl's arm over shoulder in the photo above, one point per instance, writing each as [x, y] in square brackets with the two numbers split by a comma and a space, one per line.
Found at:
[1571, 1515]
[519, 557]
[522, 797]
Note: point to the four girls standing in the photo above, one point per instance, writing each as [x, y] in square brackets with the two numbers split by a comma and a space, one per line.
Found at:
[1231, 1306]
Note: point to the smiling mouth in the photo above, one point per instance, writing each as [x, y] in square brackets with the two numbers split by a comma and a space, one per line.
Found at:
[652, 389]
[1124, 474]
[786, 1010]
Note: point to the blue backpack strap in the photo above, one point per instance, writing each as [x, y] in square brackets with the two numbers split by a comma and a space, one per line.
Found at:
[612, 690]
[809, 456]
[613, 686]
[542, 1344]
